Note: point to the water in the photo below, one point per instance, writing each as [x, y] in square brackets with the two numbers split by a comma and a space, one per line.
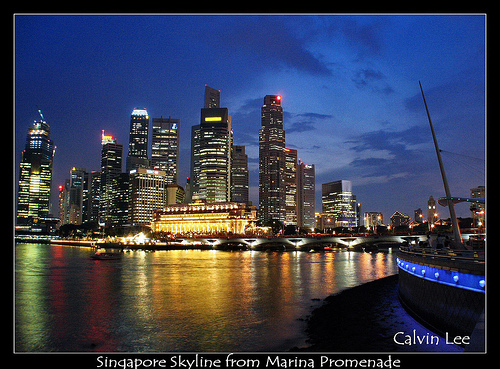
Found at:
[177, 300]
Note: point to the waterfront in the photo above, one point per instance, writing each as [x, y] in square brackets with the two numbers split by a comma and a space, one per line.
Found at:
[177, 300]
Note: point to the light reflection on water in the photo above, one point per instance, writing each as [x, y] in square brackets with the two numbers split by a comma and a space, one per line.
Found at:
[177, 300]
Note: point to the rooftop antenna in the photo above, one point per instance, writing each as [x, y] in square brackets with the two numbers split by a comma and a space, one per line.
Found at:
[40, 112]
[456, 230]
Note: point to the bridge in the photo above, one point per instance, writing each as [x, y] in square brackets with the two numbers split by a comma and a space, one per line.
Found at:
[299, 243]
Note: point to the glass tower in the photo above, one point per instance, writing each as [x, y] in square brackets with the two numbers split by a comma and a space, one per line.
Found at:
[138, 145]
[35, 179]
[272, 178]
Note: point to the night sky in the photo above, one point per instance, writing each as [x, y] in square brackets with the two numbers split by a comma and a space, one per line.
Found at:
[349, 86]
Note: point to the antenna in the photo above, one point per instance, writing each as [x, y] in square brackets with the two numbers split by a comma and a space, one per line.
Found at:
[40, 112]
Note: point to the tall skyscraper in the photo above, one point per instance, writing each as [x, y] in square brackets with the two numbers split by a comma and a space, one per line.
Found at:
[138, 144]
[165, 147]
[211, 151]
[291, 183]
[339, 203]
[239, 174]
[272, 192]
[111, 168]
[306, 191]
[215, 155]
[35, 178]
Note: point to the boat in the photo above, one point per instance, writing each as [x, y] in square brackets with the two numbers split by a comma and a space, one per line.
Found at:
[445, 288]
[105, 256]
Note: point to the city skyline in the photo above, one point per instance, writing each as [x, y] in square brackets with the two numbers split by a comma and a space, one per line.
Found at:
[376, 136]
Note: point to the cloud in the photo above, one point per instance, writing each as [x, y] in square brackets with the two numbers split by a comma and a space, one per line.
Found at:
[297, 124]
[373, 79]
[269, 39]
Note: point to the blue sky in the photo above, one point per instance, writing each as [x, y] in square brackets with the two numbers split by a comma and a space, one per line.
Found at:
[349, 84]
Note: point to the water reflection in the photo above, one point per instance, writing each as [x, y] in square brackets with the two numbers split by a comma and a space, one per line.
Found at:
[177, 300]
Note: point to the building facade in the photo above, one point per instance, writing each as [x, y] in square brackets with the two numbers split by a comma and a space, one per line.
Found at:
[111, 168]
[138, 140]
[165, 147]
[239, 174]
[291, 184]
[147, 194]
[272, 177]
[306, 191]
[35, 177]
[202, 218]
[339, 204]
[478, 210]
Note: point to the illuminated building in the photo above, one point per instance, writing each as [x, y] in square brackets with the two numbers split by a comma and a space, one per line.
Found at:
[211, 152]
[147, 193]
[306, 195]
[138, 143]
[202, 218]
[291, 182]
[93, 181]
[373, 219]
[175, 194]
[339, 204]
[239, 174]
[272, 192]
[399, 219]
[432, 214]
[165, 147]
[111, 167]
[35, 177]
[478, 209]
[75, 201]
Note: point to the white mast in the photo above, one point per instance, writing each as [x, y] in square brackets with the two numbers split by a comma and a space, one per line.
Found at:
[456, 230]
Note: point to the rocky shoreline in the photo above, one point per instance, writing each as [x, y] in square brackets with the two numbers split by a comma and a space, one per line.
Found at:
[365, 319]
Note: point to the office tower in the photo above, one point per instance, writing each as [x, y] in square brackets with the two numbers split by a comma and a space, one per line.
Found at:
[306, 191]
[214, 184]
[272, 194]
[211, 152]
[35, 178]
[339, 204]
[93, 180]
[174, 194]
[147, 194]
[120, 199]
[111, 168]
[138, 143]
[432, 214]
[63, 198]
[239, 174]
[165, 147]
[212, 98]
[291, 182]
[194, 176]
[75, 201]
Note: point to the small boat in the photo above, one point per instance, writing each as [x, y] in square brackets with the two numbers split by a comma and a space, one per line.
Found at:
[105, 256]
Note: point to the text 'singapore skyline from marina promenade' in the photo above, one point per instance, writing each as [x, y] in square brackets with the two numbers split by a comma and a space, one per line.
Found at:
[349, 84]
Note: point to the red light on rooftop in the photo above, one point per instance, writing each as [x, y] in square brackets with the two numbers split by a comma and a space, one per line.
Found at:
[278, 97]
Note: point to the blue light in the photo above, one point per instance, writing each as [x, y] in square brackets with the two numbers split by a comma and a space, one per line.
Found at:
[434, 274]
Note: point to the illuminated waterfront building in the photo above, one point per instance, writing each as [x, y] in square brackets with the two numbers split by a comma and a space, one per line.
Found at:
[272, 191]
[202, 218]
[306, 195]
[35, 178]
[175, 194]
[478, 209]
[165, 147]
[147, 194]
[339, 204]
[138, 142]
[111, 167]
[239, 174]
[291, 182]
[432, 214]
[373, 219]
[399, 219]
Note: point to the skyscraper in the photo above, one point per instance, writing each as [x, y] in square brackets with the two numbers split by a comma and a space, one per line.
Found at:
[239, 174]
[272, 192]
[339, 203]
[211, 151]
[138, 144]
[147, 194]
[291, 183]
[35, 178]
[165, 147]
[111, 168]
[306, 191]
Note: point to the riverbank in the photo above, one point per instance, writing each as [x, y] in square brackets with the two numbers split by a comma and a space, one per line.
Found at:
[367, 318]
